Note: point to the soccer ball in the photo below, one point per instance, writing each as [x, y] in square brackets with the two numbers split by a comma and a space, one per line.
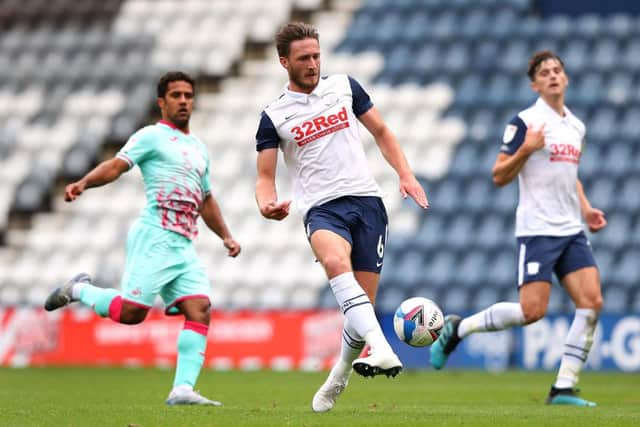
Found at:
[418, 321]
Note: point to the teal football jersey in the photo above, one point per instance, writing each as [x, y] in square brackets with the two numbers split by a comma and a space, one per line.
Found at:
[175, 170]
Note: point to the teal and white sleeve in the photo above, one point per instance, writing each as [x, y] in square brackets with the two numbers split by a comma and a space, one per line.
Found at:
[138, 148]
[206, 184]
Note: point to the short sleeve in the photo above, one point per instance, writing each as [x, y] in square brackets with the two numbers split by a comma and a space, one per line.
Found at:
[513, 136]
[361, 100]
[266, 136]
[138, 148]
[205, 179]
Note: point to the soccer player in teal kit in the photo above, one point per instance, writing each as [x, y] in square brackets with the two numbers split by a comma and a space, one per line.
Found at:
[161, 259]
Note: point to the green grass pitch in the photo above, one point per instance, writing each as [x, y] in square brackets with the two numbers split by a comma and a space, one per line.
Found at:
[135, 397]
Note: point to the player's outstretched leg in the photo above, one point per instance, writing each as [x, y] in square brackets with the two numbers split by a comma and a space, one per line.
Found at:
[566, 396]
[106, 302]
[446, 342]
[63, 295]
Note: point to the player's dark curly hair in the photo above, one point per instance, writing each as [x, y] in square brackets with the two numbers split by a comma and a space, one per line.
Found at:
[291, 32]
[173, 76]
[537, 59]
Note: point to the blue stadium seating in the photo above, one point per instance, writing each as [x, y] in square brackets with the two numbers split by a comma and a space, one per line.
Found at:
[470, 235]
[462, 252]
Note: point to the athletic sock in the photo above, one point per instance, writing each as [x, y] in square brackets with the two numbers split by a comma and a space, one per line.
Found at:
[358, 310]
[576, 347]
[352, 345]
[192, 343]
[499, 316]
[100, 300]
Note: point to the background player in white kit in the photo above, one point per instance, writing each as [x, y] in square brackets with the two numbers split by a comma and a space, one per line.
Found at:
[542, 147]
[315, 124]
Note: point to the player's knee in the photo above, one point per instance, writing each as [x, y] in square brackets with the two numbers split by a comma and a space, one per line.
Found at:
[597, 303]
[132, 315]
[199, 316]
[533, 313]
[594, 302]
[196, 310]
[335, 264]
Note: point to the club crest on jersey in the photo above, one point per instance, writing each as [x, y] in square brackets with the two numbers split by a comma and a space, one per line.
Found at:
[320, 126]
[509, 133]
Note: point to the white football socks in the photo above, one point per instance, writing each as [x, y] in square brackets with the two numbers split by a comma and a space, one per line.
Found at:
[352, 345]
[76, 290]
[357, 308]
[499, 316]
[576, 347]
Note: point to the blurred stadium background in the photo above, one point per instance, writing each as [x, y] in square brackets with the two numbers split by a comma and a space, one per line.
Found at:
[79, 77]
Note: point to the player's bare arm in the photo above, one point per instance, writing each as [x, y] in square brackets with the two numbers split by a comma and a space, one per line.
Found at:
[266, 195]
[392, 152]
[594, 218]
[212, 216]
[507, 167]
[106, 172]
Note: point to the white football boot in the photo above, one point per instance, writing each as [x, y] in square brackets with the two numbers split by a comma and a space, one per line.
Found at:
[187, 396]
[377, 363]
[326, 396]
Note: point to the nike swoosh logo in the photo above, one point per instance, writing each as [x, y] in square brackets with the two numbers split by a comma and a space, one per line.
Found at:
[290, 116]
[379, 264]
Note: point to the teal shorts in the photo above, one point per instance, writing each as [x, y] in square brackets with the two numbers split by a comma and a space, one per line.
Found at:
[161, 262]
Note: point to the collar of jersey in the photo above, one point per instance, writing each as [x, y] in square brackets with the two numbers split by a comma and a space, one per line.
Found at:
[300, 96]
[171, 125]
[541, 103]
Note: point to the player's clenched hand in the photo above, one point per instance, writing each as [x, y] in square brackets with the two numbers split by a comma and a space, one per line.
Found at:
[409, 186]
[276, 210]
[73, 191]
[534, 138]
[595, 220]
[232, 246]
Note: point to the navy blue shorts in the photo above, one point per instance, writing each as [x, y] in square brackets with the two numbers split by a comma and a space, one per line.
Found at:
[362, 221]
[539, 256]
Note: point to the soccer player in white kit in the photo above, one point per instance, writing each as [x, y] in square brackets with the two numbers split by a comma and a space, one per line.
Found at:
[315, 124]
[542, 147]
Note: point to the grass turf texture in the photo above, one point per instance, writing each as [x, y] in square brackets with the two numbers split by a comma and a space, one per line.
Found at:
[135, 397]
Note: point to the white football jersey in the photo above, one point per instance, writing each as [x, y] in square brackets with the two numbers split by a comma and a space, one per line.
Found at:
[548, 203]
[319, 136]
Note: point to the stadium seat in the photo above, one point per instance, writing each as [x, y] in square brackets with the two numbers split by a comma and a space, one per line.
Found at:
[79, 78]
[470, 270]
[626, 273]
[619, 26]
[605, 54]
[388, 299]
[618, 160]
[502, 270]
[454, 300]
[588, 27]
[616, 300]
[629, 125]
[473, 26]
[486, 296]
[558, 27]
